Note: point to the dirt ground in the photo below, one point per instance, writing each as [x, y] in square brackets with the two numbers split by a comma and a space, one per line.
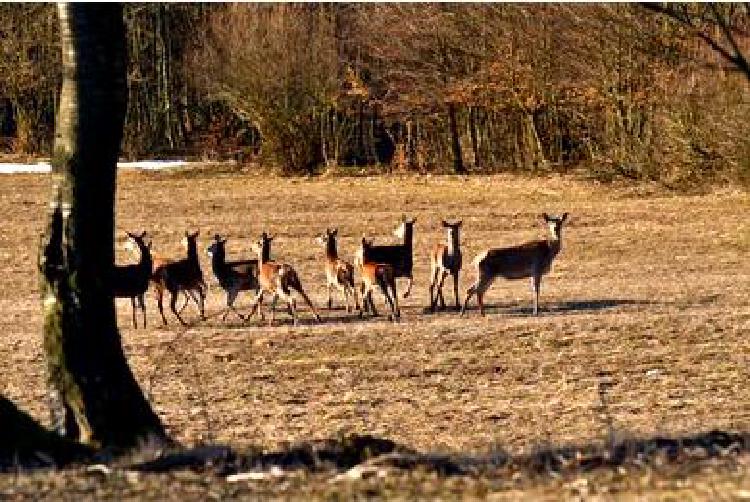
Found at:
[643, 332]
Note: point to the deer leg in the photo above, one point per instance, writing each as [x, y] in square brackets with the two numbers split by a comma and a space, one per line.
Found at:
[159, 299]
[293, 308]
[274, 299]
[345, 296]
[433, 281]
[202, 304]
[363, 294]
[387, 295]
[455, 288]
[536, 284]
[372, 304]
[173, 305]
[330, 296]
[186, 295]
[469, 293]
[302, 293]
[231, 297]
[257, 305]
[440, 290]
[391, 299]
[132, 305]
[408, 288]
[142, 302]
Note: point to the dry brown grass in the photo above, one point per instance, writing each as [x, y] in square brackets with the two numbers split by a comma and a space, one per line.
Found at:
[646, 305]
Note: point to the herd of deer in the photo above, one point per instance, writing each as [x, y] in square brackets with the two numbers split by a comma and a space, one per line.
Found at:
[378, 266]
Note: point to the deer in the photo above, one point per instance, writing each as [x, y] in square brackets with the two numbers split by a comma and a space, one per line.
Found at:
[399, 256]
[181, 275]
[339, 273]
[380, 274]
[445, 259]
[531, 259]
[233, 276]
[277, 279]
[131, 281]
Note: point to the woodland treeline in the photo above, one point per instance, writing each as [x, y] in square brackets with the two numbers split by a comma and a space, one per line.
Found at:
[621, 90]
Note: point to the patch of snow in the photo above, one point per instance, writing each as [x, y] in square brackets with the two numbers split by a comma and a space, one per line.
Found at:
[152, 164]
[43, 167]
[11, 168]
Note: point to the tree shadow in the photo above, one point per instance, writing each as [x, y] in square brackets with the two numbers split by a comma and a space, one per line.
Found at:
[364, 451]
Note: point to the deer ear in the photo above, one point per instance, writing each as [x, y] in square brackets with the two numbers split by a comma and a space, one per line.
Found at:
[444, 223]
[335, 231]
[564, 216]
[413, 220]
[129, 234]
[545, 216]
[459, 223]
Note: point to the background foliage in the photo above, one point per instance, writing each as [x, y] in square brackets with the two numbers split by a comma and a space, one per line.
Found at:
[620, 90]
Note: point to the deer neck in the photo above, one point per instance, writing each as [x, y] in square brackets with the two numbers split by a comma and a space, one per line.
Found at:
[331, 251]
[555, 243]
[264, 256]
[218, 259]
[146, 260]
[453, 245]
[192, 253]
[408, 236]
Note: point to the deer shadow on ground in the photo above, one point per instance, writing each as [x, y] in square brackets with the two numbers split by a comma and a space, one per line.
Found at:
[572, 306]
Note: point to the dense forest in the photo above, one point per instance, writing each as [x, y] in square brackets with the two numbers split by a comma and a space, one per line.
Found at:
[648, 92]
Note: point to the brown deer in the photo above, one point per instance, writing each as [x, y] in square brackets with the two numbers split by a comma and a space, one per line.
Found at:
[532, 259]
[233, 276]
[339, 273]
[380, 274]
[277, 279]
[181, 275]
[399, 256]
[131, 281]
[445, 259]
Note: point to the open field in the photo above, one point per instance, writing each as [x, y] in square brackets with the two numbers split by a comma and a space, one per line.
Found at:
[644, 332]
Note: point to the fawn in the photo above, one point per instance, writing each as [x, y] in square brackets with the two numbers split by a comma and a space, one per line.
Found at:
[532, 259]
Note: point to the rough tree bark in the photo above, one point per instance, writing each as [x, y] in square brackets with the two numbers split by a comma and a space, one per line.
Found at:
[94, 396]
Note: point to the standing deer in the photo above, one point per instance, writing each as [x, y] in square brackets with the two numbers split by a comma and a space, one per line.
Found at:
[277, 279]
[532, 259]
[339, 273]
[399, 256]
[233, 276]
[380, 274]
[131, 281]
[445, 259]
[181, 275]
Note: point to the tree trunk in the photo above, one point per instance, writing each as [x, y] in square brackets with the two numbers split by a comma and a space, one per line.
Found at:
[95, 398]
[474, 139]
[458, 161]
